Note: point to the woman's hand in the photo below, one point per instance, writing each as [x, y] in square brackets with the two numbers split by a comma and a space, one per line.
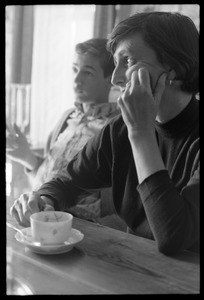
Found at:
[139, 108]
[138, 105]
[27, 204]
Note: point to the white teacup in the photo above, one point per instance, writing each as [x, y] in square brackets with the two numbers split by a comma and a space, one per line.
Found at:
[51, 227]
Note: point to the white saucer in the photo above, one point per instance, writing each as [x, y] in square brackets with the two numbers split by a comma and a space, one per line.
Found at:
[26, 239]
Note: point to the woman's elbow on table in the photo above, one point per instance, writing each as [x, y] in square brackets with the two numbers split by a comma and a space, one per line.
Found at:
[172, 246]
[170, 242]
[169, 248]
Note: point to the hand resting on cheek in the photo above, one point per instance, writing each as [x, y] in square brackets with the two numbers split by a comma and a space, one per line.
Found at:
[155, 72]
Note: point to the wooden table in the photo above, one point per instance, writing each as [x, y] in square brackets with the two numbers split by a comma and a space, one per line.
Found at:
[106, 261]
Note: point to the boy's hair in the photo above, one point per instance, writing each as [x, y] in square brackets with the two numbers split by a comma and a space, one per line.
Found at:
[97, 48]
[173, 37]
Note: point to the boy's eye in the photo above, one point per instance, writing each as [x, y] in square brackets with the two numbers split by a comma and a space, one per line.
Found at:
[88, 73]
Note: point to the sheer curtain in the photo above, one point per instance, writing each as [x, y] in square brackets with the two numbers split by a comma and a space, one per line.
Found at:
[57, 28]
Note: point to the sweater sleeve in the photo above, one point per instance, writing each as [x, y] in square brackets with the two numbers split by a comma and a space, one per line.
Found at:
[173, 216]
[88, 171]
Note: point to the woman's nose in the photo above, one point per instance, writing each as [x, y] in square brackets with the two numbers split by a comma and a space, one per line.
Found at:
[118, 77]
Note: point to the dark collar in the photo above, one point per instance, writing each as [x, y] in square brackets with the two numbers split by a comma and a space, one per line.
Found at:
[183, 122]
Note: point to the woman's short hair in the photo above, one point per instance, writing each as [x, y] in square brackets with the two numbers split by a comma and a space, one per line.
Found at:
[174, 38]
[97, 48]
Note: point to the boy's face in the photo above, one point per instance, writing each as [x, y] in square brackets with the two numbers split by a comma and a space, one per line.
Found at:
[89, 82]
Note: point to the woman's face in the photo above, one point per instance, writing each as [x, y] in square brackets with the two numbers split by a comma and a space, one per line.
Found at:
[132, 54]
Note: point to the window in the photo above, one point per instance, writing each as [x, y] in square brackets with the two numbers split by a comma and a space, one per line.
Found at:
[57, 29]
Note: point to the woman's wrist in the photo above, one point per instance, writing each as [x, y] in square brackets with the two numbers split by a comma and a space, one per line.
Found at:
[146, 153]
[142, 134]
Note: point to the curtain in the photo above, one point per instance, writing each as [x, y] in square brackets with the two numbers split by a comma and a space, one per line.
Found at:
[104, 20]
[19, 35]
[190, 10]
[22, 44]
[123, 12]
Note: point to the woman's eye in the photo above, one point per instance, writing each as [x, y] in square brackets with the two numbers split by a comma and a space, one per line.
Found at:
[130, 61]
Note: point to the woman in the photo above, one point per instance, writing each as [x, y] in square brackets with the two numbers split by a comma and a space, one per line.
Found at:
[149, 154]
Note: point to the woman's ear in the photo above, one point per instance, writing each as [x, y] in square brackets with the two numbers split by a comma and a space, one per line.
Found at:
[171, 76]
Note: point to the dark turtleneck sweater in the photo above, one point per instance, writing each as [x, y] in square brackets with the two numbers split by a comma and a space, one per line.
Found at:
[165, 206]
